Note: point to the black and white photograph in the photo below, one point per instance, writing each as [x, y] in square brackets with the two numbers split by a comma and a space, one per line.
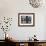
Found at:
[26, 19]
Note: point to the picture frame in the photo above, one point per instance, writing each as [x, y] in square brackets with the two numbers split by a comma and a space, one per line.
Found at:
[26, 19]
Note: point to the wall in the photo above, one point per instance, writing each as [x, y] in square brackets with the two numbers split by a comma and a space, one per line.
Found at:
[11, 8]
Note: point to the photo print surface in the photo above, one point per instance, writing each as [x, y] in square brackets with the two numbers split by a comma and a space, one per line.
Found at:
[25, 19]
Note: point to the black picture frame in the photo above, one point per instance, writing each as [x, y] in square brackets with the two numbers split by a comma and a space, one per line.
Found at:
[26, 19]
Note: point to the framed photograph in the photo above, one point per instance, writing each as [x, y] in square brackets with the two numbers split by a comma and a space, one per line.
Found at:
[26, 19]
